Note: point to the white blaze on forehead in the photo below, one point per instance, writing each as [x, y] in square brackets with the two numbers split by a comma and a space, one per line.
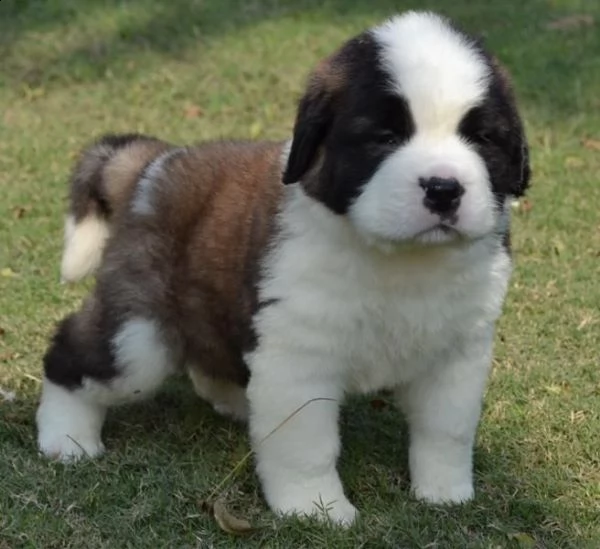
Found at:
[439, 72]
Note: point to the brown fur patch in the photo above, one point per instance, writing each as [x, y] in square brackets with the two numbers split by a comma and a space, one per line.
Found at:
[503, 74]
[328, 76]
[88, 193]
[123, 170]
[192, 263]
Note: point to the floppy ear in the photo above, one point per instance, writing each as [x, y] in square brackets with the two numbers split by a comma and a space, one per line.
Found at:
[315, 116]
[313, 120]
[520, 155]
[520, 185]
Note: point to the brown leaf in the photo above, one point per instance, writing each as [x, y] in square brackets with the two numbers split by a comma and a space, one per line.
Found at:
[2, 331]
[19, 212]
[8, 117]
[525, 205]
[378, 404]
[192, 111]
[227, 521]
[591, 144]
[574, 21]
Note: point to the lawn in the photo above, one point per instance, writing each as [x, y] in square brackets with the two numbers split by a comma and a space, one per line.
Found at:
[196, 69]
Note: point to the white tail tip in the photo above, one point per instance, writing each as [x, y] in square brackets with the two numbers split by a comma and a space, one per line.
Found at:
[84, 245]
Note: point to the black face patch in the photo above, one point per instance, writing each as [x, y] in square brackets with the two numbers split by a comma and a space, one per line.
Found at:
[353, 129]
[359, 143]
[350, 120]
[496, 130]
[494, 127]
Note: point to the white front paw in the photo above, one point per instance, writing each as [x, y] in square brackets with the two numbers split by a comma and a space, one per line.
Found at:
[442, 492]
[441, 472]
[68, 426]
[341, 512]
[338, 511]
[68, 449]
[322, 498]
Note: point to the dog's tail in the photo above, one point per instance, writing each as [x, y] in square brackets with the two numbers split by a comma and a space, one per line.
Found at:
[101, 184]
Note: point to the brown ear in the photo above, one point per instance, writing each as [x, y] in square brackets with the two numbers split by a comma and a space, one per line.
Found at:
[314, 118]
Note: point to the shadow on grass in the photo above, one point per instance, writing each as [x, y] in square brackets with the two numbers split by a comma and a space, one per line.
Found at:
[373, 467]
[512, 498]
[550, 67]
[174, 446]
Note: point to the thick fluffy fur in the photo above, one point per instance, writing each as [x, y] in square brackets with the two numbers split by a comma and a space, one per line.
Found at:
[381, 263]
[183, 262]
[103, 178]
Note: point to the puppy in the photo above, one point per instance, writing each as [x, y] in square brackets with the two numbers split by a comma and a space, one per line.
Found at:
[371, 252]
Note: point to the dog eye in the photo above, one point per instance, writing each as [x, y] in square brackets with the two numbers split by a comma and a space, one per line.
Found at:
[488, 136]
[385, 137]
[479, 127]
[484, 136]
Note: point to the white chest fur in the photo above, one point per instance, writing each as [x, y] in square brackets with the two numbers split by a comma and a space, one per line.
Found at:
[375, 317]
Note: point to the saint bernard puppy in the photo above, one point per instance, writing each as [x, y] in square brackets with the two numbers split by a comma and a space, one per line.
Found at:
[370, 252]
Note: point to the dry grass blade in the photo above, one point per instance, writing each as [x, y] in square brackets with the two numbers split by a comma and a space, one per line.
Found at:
[243, 461]
[591, 144]
[226, 521]
[575, 21]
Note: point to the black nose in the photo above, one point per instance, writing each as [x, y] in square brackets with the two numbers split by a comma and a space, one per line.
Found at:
[442, 196]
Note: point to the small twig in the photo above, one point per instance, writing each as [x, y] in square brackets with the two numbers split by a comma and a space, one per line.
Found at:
[32, 378]
[243, 461]
[80, 446]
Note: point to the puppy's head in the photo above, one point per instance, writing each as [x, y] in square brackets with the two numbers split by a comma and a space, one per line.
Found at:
[411, 131]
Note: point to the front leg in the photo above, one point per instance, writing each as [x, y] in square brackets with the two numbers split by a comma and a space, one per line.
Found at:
[442, 408]
[297, 462]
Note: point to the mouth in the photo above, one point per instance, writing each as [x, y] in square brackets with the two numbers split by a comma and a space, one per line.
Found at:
[438, 234]
[444, 228]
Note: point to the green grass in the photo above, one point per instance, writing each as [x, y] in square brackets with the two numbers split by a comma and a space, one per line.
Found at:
[72, 69]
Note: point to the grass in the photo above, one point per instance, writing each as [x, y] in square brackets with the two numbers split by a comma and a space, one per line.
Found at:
[194, 69]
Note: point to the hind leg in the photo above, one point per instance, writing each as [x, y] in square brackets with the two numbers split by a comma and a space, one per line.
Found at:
[87, 371]
[227, 398]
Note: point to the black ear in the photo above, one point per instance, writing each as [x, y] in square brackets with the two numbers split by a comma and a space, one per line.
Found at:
[520, 153]
[314, 118]
[521, 185]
